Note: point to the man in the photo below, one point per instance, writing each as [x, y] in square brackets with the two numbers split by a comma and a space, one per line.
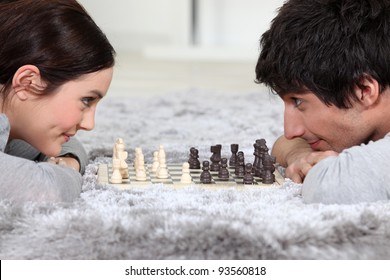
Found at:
[329, 60]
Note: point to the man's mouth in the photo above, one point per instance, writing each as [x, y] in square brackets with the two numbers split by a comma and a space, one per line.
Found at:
[315, 145]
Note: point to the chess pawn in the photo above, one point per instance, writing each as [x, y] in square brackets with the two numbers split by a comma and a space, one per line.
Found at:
[205, 176]
[268, 176]
[162, 172]
[193, 160]
[248, 177]
[140, 173]
[223, 173]
[186, 177]
[116, 177]
[155, 162]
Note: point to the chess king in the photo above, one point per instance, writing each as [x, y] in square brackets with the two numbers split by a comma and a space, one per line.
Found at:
[329, 62]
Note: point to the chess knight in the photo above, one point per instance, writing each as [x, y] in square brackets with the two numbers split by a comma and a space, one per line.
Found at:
[120, 154]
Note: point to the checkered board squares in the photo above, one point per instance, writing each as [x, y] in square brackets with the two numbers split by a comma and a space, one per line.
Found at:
[174, 176]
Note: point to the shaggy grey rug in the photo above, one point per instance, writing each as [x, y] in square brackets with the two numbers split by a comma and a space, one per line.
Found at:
[156, 222]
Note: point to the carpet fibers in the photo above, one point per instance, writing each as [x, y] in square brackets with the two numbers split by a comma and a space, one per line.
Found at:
[157, 222]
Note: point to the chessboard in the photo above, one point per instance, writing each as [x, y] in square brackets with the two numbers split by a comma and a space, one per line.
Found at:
[174, 175]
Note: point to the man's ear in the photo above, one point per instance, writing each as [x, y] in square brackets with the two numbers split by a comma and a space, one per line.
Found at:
[368, 91]
[27, 79]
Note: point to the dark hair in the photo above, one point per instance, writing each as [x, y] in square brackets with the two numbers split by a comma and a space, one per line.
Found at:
[326, 47]
[57, 36]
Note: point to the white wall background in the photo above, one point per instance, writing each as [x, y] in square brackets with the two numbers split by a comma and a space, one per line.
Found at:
[163, 25]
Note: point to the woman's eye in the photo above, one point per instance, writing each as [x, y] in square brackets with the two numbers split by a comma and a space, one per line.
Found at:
[88, 100]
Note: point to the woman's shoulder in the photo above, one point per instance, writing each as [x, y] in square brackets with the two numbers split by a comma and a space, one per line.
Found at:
[4, 131]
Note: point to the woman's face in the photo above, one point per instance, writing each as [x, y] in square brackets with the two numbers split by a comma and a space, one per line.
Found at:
[48, 121]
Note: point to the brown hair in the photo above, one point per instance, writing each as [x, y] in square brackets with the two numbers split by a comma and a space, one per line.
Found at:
[326, 47]
[57, 36]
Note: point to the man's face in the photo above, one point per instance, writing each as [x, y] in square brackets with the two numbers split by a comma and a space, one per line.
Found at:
[325, 127]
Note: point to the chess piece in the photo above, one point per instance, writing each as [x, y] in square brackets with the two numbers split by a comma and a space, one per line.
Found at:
[248, 177]
[162, 170]
[161, 152]
[185, 176]
[233, 158]
[140, 161]
[120, 153]
[263, 153]
[116, 177]
[268, 176]
[223, 173]
[193, 160]
[138, 154]
[256, 155]
[216, 157]
[155, 162]
[240, 165]
[205, 176]
[118, 144]
[140, 173]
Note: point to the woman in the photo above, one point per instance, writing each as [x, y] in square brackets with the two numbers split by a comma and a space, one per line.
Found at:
[55, 66]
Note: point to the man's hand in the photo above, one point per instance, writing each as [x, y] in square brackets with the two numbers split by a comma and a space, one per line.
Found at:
[298, 169]
[297, 156]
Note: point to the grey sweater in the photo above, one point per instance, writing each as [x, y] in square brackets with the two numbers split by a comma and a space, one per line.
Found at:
[358, 174]
[25, 176]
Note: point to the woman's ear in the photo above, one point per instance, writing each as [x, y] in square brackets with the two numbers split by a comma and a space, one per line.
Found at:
[27, 79]
[368, 92]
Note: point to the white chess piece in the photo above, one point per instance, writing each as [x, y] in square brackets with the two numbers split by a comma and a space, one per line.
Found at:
[116, 177]
[186, 177]
[140, 160]
[138, 154]
[122, 155]
[161, 151]
[118, 144]
[162, 171]
[155, 162]
[140, 173]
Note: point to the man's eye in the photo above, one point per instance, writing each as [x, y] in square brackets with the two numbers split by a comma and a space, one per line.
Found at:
[296, 101]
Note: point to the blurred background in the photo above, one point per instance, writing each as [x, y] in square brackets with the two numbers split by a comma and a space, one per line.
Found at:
[173, 45]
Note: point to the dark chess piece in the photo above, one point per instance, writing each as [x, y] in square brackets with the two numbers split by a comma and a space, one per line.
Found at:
[205, 176]
[263, 153]
[216, 157]
[268, 176]
[223, 173]
[233, 158]
[258, 152]
[248, 177]
[193, 160]
[240, 165]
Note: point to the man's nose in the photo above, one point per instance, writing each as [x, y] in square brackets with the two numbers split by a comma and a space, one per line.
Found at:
[293, 124]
